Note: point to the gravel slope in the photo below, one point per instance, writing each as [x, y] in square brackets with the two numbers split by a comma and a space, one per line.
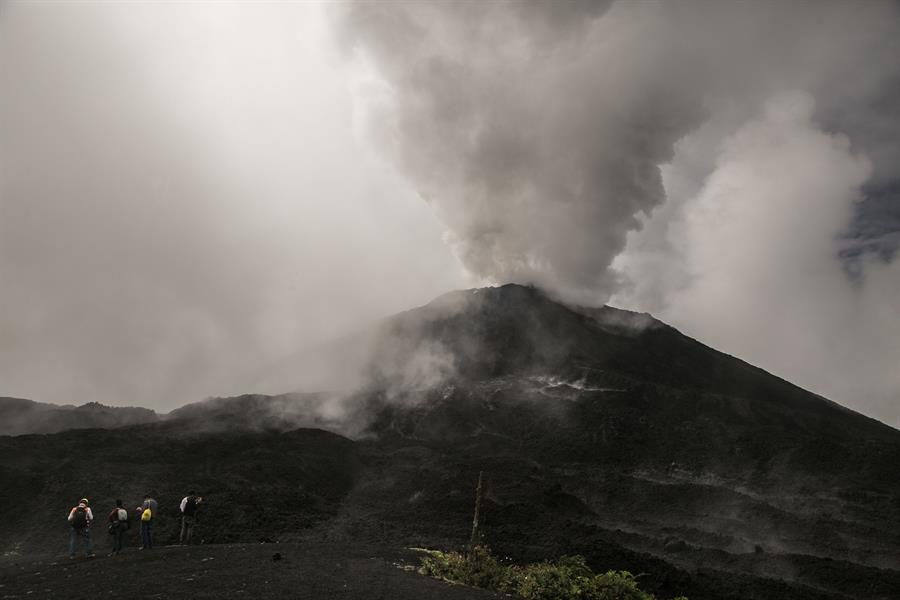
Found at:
[308, 571]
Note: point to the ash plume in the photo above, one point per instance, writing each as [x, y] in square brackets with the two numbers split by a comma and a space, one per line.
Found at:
[537, 130]
[537, 165]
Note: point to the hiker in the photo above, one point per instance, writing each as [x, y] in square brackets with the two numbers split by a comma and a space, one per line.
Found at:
[147, 512]
[118, 525]
[189, 506]
[80, 519]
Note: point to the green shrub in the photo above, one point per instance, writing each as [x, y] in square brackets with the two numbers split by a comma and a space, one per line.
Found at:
[614, 585]
[477, 568]
[568, 578]
[565, 578]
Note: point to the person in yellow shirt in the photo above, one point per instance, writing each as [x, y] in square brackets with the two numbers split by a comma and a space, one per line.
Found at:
[147, 512]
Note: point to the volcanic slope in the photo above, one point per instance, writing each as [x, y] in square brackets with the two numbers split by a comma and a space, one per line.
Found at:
[599, 431]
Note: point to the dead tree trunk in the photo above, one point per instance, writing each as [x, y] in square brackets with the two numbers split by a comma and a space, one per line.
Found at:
[476, 520]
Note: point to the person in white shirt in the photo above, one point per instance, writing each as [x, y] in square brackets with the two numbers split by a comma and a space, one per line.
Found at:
[189, 505]
[80, 519]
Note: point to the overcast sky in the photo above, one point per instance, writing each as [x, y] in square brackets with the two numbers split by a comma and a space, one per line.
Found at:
[192, 193]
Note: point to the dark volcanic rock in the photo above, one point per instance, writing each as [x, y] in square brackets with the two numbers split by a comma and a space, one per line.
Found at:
[604, 428]
[599, 431]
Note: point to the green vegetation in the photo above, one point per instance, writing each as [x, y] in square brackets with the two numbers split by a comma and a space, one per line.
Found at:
[568, 578]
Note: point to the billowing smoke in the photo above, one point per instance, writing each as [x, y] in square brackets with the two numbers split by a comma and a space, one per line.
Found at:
[523, 126]
[537, 129]
[761, 275]
[731, 167]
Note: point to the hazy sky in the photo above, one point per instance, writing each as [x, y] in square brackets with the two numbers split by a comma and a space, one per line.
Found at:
[184, 201]
[192, 193]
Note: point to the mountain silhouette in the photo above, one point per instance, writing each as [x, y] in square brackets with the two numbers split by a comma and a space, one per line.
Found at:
[19, 416]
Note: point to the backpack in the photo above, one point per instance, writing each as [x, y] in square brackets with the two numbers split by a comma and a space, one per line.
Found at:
[79, 518]
[190, 507]
[118, 519]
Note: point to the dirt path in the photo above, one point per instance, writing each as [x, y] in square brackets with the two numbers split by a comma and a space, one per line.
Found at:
[307, 571]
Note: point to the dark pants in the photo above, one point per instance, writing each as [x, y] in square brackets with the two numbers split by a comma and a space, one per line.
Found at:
[118, 534]
[84, 534]
[147, 534]
[187, 528]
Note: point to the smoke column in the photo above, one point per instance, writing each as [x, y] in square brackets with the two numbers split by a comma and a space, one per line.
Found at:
[537, 130]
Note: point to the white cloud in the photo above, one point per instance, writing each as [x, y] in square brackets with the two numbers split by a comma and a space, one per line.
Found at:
[762, 278]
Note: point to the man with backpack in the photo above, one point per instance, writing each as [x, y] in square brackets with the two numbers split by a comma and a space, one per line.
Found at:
[118, 525]
[80, 519]
[189, 505]
[147, 512]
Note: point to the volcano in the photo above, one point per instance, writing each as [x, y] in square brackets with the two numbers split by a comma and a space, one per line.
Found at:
[599, 432]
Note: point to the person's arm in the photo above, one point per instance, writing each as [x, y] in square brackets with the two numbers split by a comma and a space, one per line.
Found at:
[89, 515]
[71, 514]
[183, 503]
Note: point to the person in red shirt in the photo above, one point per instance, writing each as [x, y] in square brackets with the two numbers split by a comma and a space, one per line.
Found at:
[118, 525]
